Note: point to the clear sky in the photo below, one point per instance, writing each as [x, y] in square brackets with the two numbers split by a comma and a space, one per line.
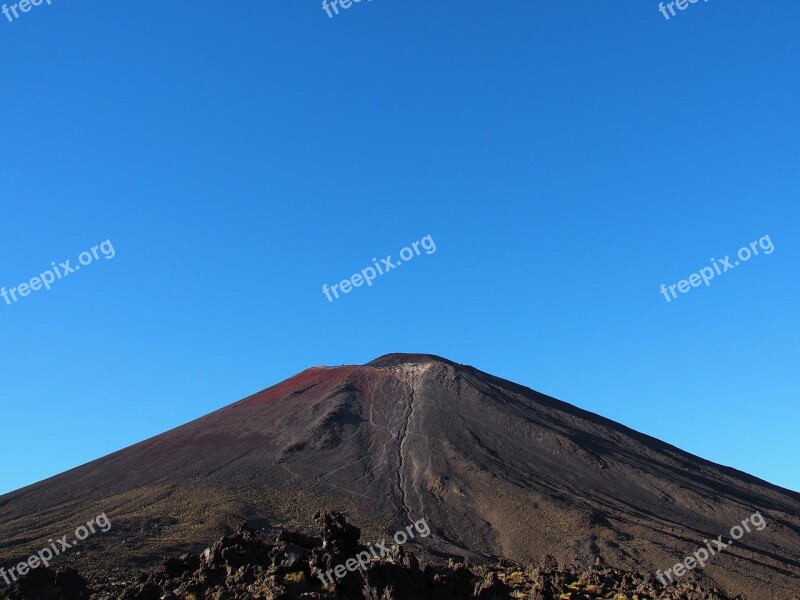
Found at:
[567, 158]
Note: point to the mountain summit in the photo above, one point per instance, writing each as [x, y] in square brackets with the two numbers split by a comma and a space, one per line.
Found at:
[496, 469]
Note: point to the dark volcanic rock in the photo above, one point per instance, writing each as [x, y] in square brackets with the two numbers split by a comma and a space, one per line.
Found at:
[46, 584]
[496, 469]
[245, 566]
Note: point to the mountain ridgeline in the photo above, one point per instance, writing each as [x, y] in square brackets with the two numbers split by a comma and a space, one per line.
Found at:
[497, 470]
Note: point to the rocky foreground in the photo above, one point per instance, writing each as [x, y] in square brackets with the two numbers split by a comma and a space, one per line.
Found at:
[486, 461]
[246, 566]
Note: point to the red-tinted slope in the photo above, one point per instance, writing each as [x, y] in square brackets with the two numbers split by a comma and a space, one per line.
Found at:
[496, 470]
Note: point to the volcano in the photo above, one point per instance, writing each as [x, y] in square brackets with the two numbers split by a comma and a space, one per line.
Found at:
[497, 470]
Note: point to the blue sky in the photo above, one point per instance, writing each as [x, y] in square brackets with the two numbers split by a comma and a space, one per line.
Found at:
[566, 158]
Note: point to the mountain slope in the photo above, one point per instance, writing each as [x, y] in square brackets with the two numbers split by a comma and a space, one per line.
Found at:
[496, 469]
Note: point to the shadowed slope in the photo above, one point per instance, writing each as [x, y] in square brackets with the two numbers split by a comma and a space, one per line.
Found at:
[495, 468]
